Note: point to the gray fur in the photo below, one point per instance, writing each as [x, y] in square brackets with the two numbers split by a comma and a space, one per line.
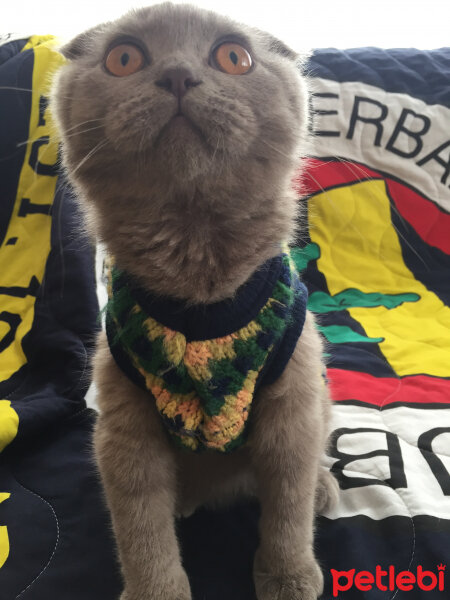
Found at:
[192, 211]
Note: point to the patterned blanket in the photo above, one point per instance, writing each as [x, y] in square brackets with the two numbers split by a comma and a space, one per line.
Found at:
[374, 252]
[377, 262]
[54, 529]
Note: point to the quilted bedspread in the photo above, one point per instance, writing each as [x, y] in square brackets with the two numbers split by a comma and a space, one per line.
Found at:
[373, 248]
[377, 262]
[55, 541]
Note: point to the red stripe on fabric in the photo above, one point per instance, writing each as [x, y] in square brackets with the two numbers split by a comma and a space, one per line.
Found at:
[380, 391]
[320, 175]
[432, 224]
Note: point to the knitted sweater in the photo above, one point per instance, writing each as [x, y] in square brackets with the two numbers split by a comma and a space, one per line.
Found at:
[203, 364]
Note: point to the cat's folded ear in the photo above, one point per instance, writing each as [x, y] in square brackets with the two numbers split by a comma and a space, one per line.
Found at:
[82, 44]
[279, 47]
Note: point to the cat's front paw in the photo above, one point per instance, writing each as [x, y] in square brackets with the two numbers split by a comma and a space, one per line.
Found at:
[306, 584]
[165, 589]
[146, 596]
[327, 491]
[172, 595]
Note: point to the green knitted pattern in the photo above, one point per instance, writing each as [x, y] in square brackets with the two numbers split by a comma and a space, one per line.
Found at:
[203, 389]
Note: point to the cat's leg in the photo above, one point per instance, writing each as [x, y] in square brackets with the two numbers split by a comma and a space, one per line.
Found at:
[138, 470]
[287, 440]
[327, 492]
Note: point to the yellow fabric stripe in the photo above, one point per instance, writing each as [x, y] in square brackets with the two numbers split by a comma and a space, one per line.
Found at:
[9, 423]
[26, 259]
[4, 539]
[38, 40]
[359, 248]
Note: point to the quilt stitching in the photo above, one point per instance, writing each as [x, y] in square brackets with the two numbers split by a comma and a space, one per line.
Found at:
[56, 542]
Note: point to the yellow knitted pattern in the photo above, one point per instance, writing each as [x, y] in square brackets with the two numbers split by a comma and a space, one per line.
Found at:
[218, 429]
[203, 389]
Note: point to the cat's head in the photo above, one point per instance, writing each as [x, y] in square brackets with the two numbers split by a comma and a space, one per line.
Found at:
[173, 107]
[180, 91]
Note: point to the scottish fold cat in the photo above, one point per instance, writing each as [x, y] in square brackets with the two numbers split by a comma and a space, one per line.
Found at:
[181, 132]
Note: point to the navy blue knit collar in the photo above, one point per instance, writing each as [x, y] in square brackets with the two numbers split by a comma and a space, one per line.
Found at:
[208, 321]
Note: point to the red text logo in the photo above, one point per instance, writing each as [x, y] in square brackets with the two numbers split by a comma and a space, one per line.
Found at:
[388, 579]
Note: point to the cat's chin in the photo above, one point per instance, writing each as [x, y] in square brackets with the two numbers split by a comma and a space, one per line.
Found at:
[181, 151]
[178, 170]
[180, 130]
[180, 121]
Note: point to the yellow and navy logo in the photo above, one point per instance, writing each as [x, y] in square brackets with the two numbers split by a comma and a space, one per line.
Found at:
[372, 241]
[26, 241]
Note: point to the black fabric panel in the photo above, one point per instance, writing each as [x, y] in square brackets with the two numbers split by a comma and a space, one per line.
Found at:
[218, 549]
[418, 73]
[429, 265]
[362, 543]
[9, 49]
[59, 532]
[60, 344]
[59, 528]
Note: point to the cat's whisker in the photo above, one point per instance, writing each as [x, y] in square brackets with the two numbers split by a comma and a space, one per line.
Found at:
[217, 145]
[84, 131]
[410, 246]
[324, 191]
[336, 208]
[84, 123]
[289, 157]
[220, 138]
[353, 168]
[25, 142]
[32, 140]
[394, 208]
[140, 162]
[89, 155]
[12, 88]
[311, 205]
[315, 181]
[373, 197]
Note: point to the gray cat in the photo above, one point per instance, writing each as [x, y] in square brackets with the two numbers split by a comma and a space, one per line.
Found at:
[181, 131]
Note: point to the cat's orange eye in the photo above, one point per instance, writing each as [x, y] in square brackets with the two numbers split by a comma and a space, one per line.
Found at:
[124, 59]
[233, 58]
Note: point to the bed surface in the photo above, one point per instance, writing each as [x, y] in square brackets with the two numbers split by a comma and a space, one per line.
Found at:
[374, 251]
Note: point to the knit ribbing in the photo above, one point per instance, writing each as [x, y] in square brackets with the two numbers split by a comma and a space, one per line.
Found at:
[204, 387]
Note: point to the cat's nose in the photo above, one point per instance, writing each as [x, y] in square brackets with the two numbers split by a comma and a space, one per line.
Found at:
[177, 81]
